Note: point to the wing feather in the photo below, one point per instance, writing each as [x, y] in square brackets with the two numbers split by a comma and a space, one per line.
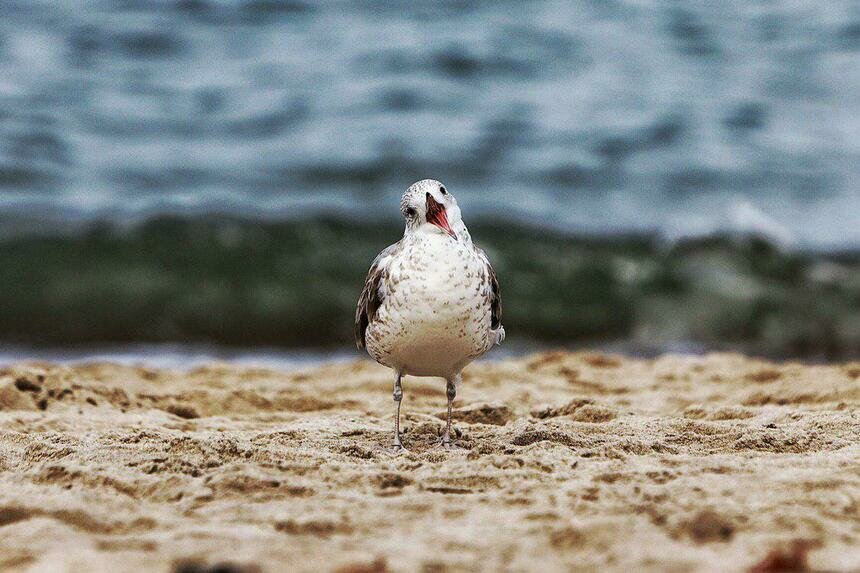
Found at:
[373, 293]
[494, 294]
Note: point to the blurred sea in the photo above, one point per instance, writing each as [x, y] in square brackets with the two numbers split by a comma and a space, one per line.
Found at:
[656, 175]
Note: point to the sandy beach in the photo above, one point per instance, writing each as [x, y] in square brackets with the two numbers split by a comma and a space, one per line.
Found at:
[568, 462]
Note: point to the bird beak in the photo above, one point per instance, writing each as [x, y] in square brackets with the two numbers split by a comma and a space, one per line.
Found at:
[437, 215]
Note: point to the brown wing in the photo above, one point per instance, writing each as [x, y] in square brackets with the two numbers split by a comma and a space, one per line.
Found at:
[494, 293]
[373, 293]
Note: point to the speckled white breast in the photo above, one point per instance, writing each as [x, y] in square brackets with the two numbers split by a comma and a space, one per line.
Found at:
[436, 315]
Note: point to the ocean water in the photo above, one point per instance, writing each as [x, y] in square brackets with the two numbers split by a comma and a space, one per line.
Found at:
[658, 174]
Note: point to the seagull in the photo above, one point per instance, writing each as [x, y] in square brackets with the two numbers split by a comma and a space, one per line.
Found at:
[431, 302]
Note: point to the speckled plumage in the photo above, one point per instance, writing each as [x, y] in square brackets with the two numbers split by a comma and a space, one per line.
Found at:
[431, 302]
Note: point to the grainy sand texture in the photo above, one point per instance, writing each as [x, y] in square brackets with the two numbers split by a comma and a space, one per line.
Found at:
[569, 462]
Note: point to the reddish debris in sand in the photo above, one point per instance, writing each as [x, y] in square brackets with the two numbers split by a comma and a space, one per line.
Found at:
[785, 560]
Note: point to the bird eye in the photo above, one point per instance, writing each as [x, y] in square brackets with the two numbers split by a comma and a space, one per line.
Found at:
[442, 189]
[410, 212]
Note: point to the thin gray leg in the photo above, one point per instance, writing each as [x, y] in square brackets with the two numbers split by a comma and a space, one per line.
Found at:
[451, 392]
[398, 396]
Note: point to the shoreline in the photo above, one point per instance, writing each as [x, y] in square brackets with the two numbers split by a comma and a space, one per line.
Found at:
[186, 356]
[569, 461]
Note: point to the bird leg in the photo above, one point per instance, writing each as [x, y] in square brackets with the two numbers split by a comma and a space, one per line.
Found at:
[396, 444]
[451, 392]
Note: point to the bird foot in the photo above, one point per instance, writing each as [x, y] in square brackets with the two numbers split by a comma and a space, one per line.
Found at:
[397, 447]
[449, 445]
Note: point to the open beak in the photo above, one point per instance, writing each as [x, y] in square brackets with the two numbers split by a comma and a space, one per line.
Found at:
[437, 215]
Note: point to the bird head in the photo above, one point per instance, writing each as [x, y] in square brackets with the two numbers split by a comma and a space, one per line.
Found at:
[428, 207]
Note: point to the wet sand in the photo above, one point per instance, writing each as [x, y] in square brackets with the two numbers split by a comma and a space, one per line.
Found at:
[568, 462]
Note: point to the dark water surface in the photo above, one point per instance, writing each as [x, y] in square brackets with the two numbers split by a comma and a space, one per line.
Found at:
[250, 283]
[224, 170]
